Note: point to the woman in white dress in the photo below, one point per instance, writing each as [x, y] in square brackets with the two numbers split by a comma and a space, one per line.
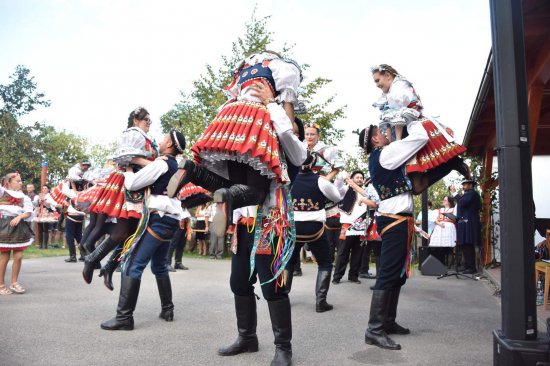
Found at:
[444, 233]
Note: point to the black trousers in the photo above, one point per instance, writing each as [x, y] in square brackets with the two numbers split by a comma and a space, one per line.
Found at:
[333, 237]
[320, 247]
[349, 250]
[73, 232]
[239, 280]
[43, 233]
[178, 244]
[392, 255]
[373, 247]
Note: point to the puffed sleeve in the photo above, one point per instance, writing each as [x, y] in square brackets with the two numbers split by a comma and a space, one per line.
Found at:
[401, 94]
[129, 145]
[28, 207]
[287, 80]
[75, 173]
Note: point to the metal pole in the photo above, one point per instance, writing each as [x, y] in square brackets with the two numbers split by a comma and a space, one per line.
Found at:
[517, 342]
[512, 132]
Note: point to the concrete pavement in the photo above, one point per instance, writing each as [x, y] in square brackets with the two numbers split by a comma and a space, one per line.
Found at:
[57, 321]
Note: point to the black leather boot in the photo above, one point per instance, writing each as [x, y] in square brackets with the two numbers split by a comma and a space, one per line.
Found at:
[236, 196]
[165, 293]
[93, 259]
[375, 334]
[108, 269]
[188, 171]
[279, 312]
[321, 291]
[124, 319]
[391, 326]
[247, 341]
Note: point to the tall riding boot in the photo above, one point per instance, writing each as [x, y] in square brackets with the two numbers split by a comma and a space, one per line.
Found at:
[188, 171]
[165, 293]
[321, 290]
[281, 322]
[108, 269]
[124, 319]
[247, 341]
[238, 195]
[170, 255]
[92, 259]
[375, 334]
[391, 326]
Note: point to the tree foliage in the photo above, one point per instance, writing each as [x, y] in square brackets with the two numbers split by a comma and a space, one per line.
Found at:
[24, 148]
[20, 97]
[198, 107]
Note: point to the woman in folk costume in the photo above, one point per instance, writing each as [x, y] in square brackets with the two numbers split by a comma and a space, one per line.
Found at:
[400, 105]
[16, 211]
[135, 148]
[239, 154]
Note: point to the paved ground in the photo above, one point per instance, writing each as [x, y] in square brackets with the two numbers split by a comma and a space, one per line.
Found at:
[57, 321]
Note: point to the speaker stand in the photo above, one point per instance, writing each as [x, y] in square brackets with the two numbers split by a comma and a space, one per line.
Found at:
[456, 273]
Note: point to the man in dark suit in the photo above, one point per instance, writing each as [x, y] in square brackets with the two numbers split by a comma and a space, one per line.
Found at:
[469, 225]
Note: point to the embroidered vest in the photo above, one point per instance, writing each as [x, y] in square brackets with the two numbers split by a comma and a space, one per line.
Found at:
[306, 195]
[159, 187]
[388, 183]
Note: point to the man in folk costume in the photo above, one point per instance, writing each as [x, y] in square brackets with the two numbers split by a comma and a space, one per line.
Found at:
[309, 194]
[352, 208]
[75, 218]
[254, 257]
[469, 225]
[395, 223]
[153, 240]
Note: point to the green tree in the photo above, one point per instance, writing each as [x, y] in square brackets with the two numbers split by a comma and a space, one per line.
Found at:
[60, 149]
[19, 97]
[198, 107]
[100, 154]
[23, 148]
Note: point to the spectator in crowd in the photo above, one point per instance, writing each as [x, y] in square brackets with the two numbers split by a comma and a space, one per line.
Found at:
[44, 215]
[216, 242]
[200, 229]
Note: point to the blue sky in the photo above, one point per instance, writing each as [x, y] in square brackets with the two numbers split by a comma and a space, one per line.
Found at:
[97, 60]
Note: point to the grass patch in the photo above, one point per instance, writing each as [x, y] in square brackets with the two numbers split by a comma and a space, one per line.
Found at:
[34, 252]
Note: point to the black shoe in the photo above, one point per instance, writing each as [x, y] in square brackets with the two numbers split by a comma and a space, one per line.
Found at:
[81, 259]
[71, 260]
[297, 272]
[469, 271]
[181, 266]
[372, 287]
[354, 280]
[171, 269]
[366, 275]
[335, 281]
[395, 328]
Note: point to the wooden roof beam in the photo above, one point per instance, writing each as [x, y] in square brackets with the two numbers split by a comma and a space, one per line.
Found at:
[541, 63]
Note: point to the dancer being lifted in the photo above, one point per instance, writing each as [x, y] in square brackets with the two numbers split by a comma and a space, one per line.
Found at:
[238, 156]
[400, 106]
[135, 148]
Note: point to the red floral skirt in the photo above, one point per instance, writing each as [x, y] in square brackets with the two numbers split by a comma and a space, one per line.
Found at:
[242, 131]
[59, 197]
[110, 199]
[438, 149]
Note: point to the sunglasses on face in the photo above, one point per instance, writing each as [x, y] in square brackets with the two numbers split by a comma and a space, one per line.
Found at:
[147, 121]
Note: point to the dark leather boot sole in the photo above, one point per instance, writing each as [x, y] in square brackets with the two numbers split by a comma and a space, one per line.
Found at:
[114, 325]
[167, 315]
[321, 308]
